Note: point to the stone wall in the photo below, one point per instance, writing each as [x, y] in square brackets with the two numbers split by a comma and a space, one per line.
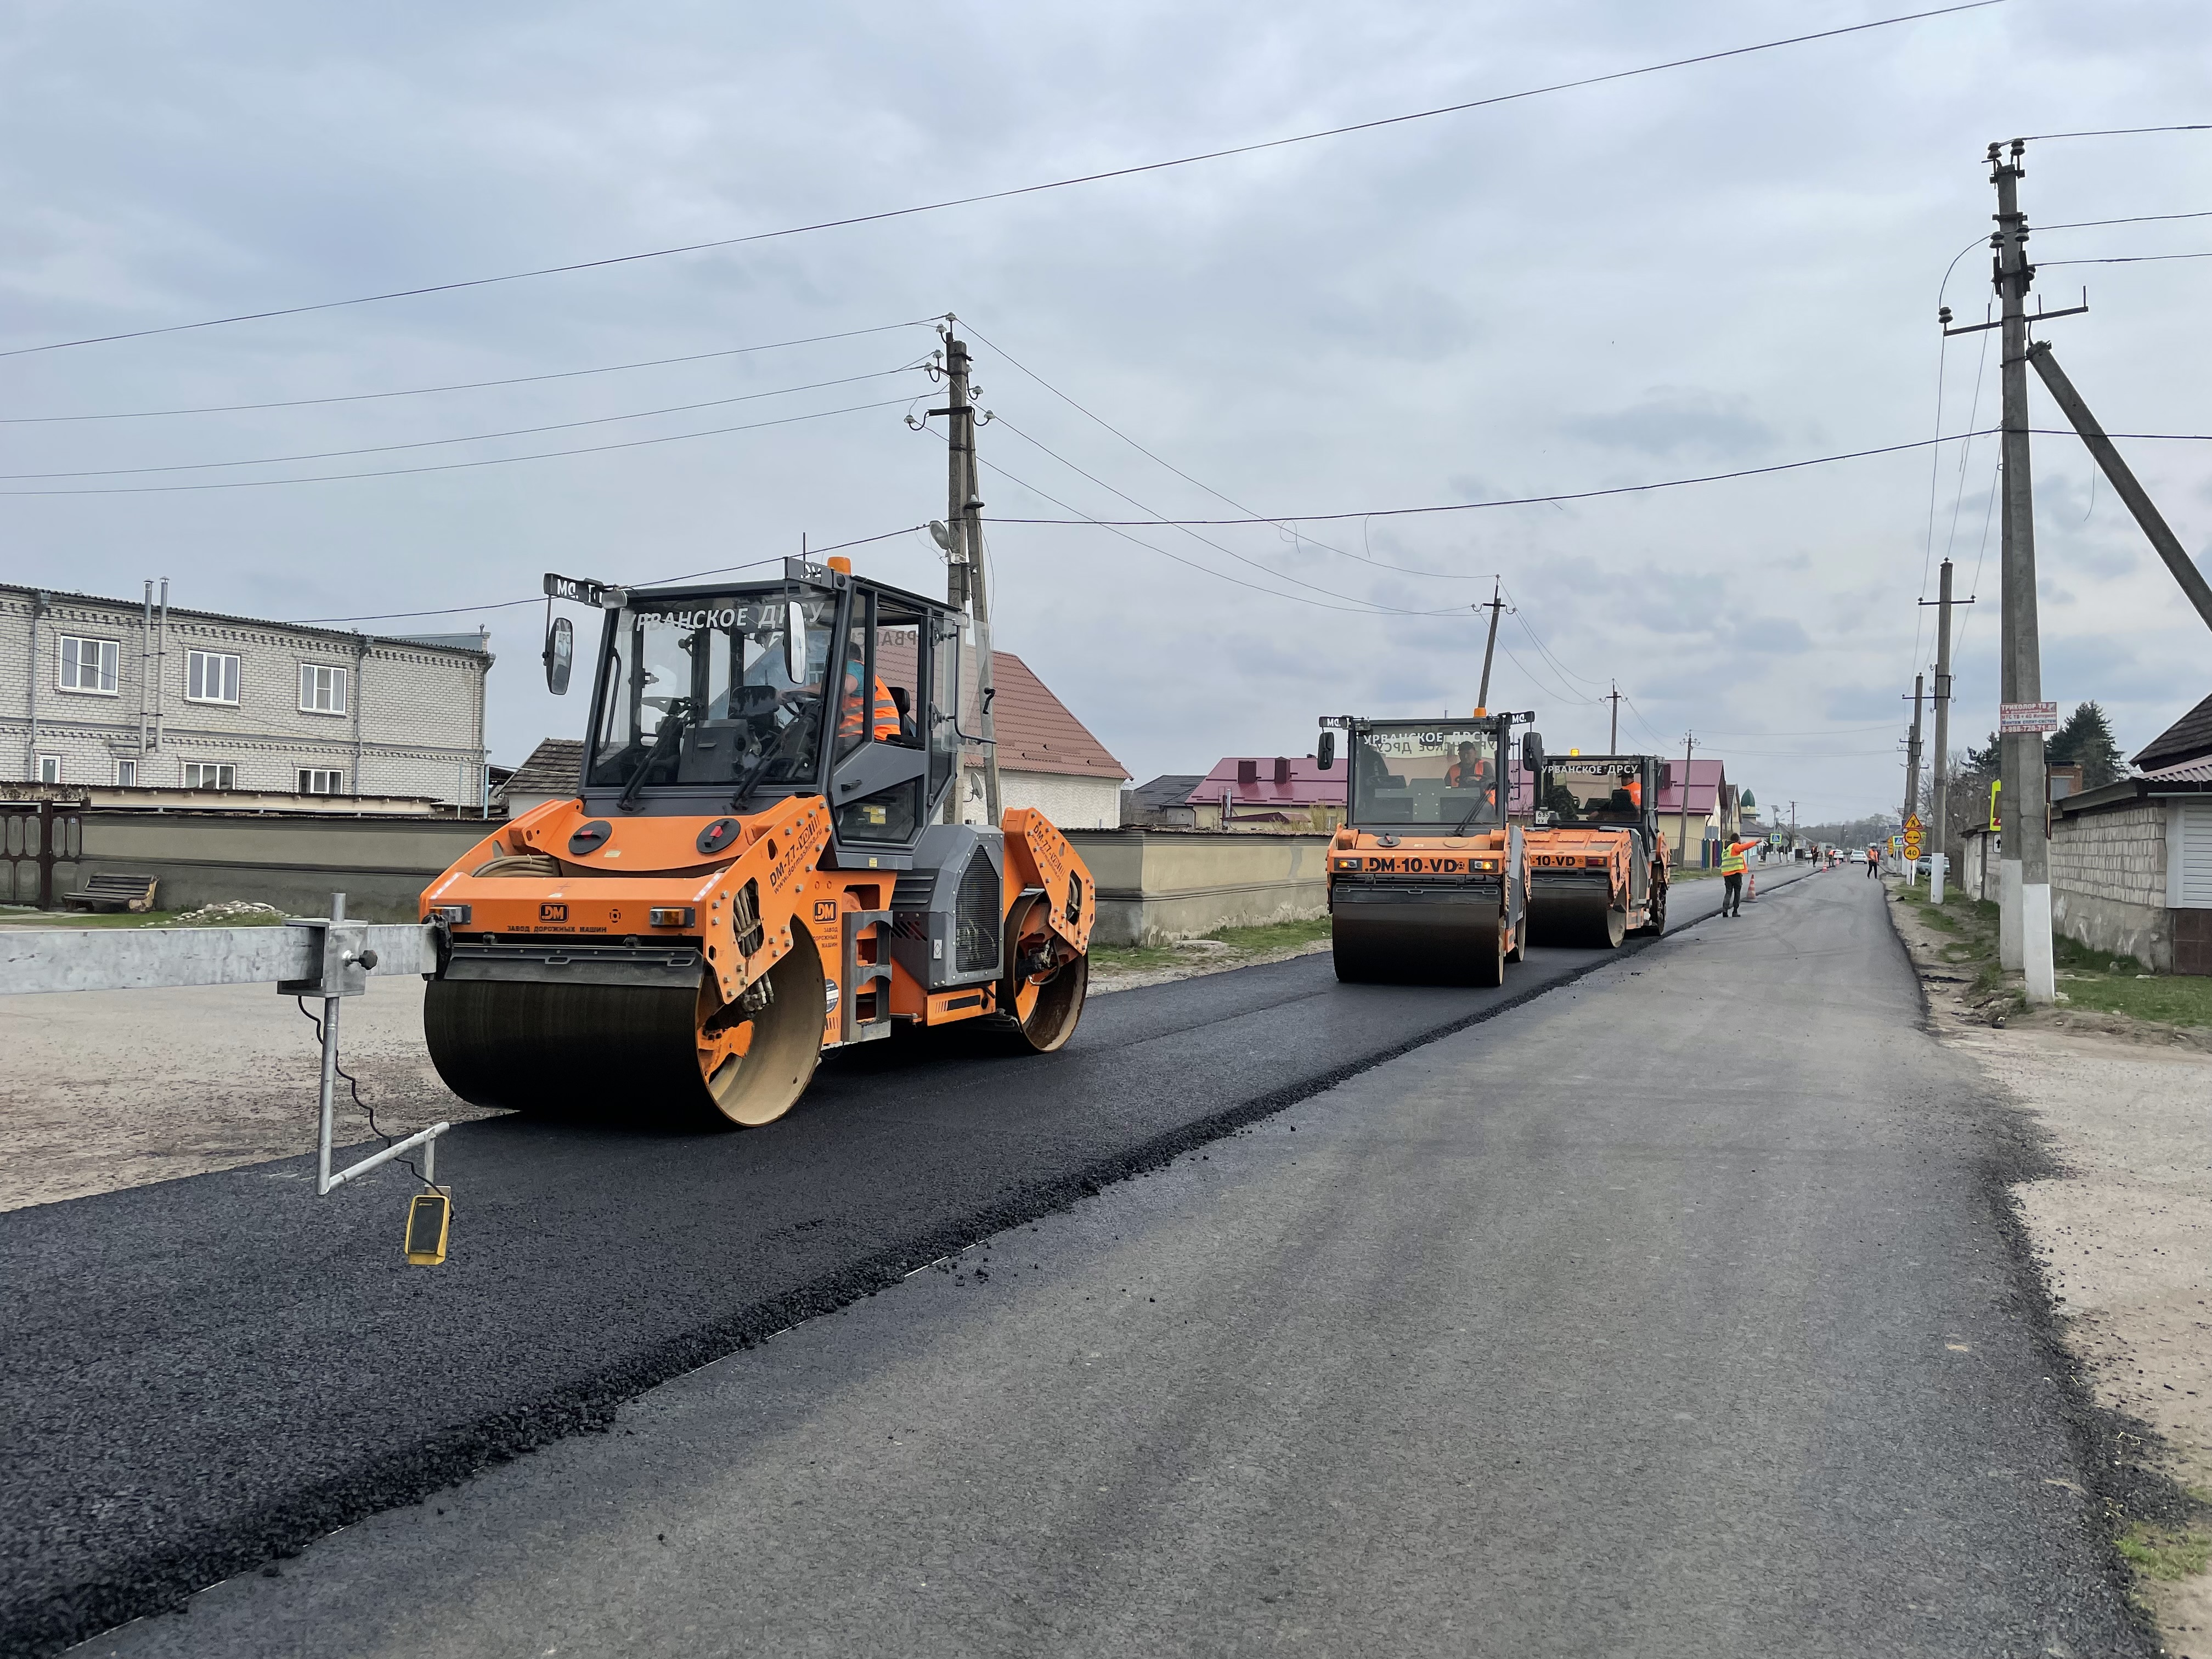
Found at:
[2108, 883]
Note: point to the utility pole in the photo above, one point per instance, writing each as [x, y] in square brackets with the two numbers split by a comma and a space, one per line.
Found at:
[966, 587]
[2025, 873]
[1682, 840]
[1912, 751]
[1496, 604]
[1793, 828]
[1613, 742]
[1939, 773]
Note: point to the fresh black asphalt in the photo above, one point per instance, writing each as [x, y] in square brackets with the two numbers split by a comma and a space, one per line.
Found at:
[1677, 1313]
[205, 1374]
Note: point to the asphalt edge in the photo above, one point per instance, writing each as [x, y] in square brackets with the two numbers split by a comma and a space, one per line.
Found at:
[163, 1582]
[2108, 1448]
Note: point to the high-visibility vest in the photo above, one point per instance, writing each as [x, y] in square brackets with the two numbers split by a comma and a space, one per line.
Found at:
[1732, 858]
[887, 715]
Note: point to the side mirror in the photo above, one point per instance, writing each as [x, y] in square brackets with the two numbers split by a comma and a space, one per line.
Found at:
[559, 655]
[795, 642]
[1325, 751]
[1532, 753]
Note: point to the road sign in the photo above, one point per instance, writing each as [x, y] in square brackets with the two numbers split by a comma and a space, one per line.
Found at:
[1912, 842]
[1913, 825]
[2016, 718]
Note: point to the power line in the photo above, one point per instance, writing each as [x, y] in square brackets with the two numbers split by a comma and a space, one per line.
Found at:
[2136, 219]
[1018, 191]
[2128, 259]
[460, 467]
[1594, 495]
[1001, 420]
[1160, 460]
[462, 385]
[2113, 132]
[472, 438]
[1521, 500]
[1219, 575]
[658, 581]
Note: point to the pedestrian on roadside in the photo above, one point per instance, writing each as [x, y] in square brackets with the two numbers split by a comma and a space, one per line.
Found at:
[1732, 869]
[1874, 859]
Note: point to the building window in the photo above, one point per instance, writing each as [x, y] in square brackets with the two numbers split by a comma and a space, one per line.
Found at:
[126, 773]
[50, 768]
[322, 689]
[314, 780]
[88, 666]
[210, 775]
[211, 676]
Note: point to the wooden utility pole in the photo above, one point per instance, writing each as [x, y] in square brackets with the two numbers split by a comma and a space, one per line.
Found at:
[966, 585]
[2025, 871]
[1496, 604]
[1682, 840]
[1613, 742]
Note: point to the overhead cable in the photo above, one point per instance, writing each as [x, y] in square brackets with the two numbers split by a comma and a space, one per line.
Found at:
[461, 386]
[1018, 191]
[1281, 524]
[471, 438]
[1268, 569]
[459, 466]
[658, 581]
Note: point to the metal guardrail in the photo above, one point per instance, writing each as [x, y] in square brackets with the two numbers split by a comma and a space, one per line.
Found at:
[141, 958]
[325, 957]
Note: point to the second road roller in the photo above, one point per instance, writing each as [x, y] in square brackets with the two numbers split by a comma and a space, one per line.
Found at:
[754, 867]
[1428, 879]
[1597, 863]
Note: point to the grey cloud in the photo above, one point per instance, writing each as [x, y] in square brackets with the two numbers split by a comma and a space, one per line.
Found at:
[1671, 421]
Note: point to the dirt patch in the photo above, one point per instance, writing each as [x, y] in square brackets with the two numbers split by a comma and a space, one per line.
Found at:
[1196, 956]
[2124, 1235]
[113, 1089]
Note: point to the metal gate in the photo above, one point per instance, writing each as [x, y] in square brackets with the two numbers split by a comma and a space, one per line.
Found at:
[34, 836]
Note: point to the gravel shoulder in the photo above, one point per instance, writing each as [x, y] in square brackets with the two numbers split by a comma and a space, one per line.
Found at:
[93, 1103]
[2124, 1234]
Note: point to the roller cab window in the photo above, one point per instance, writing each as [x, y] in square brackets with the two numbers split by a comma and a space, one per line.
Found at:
[880, 784]
[1584, 792]
[1426, 775]
[696, 689]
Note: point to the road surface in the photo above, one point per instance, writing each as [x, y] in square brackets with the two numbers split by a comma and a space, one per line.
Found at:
[1668, 1312]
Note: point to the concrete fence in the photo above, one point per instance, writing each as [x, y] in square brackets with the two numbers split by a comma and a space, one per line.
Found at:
[1153, 886]
[295, 861]
[1158, 886]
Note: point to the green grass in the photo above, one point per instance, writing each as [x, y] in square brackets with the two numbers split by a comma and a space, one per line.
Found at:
[2165, 1556]
[2094, 981]
[1243, 942]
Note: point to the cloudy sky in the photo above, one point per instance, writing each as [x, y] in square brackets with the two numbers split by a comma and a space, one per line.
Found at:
[1723, 266]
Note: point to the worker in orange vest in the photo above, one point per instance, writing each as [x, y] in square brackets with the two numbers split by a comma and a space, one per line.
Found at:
[1732, 871]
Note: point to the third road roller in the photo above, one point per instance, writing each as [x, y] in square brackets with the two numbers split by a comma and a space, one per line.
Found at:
[1428, 878]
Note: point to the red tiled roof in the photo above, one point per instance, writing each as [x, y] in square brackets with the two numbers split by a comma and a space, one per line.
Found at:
[1035, 730]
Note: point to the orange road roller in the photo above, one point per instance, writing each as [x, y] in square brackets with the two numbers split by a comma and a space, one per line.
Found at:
[1428, 881]
[755, 867]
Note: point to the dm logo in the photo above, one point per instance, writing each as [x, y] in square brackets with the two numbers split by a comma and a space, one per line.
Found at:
[825, 909]
[552, 912]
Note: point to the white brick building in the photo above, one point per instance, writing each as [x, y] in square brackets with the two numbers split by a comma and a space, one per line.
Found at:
[91, 694]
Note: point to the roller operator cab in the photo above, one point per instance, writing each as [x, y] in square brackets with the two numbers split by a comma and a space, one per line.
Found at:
[1427, 879]
[1597, 862]
[754, 867]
